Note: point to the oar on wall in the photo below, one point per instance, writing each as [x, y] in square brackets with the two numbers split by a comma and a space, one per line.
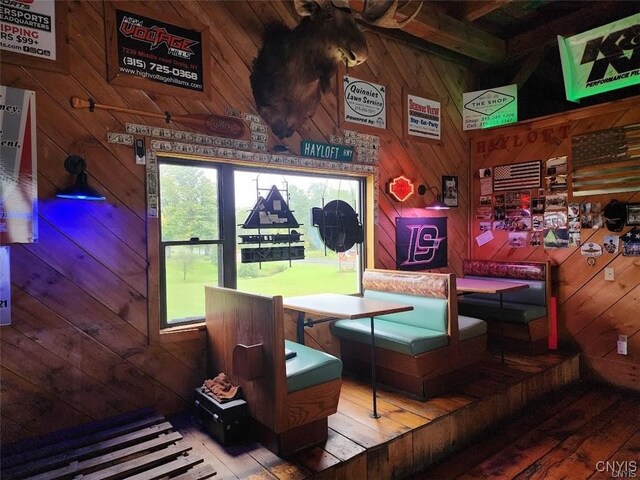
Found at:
[207, 123]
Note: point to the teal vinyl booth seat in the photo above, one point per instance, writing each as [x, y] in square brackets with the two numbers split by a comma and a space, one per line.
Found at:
[309, 367]
[289, 399]
[524, 313]
[423, 351]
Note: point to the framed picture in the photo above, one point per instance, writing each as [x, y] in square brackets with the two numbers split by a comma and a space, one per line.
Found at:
[450, 190]
[633, 213]
[177, 64]
[421, 243]
[362, 105]
[421, 117]
[43, 38]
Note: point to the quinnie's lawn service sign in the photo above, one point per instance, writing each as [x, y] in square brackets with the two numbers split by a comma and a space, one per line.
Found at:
[603, 59]
[364, 103]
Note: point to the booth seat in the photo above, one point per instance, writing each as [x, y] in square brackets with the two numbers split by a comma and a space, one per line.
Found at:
[424, 351]
[289, 395]
[308, 367]
[524, 313]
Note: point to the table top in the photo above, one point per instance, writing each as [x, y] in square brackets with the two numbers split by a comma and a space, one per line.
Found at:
[475, 285]
[343, 306]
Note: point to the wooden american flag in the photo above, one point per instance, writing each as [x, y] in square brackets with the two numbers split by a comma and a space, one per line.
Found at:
[517, 176]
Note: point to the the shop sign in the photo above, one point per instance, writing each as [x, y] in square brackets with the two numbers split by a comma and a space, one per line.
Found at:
[490, 108]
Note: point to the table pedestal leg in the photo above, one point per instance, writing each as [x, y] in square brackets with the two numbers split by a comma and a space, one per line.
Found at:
[373, 371]
[300, 328]
[501, 331]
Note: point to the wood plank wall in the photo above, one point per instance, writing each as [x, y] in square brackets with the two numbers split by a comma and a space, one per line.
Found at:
[591, 312]
[79, 347]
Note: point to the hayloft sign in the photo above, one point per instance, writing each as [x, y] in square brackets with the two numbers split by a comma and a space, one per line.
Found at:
[506, 142]
[326, 151]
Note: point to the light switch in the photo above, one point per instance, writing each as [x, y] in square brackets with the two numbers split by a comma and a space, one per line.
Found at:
[608, 274]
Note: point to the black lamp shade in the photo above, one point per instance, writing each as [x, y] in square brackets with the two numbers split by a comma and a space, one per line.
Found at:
[80, 190]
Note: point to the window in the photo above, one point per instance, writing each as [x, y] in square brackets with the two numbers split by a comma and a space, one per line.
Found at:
[322, 270]
[203, 209]
[190, 245]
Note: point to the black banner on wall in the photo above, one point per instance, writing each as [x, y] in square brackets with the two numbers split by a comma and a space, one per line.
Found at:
[421, 243]
[160, 52]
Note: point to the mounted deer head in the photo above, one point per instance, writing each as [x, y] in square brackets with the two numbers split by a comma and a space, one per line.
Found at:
[294, 67]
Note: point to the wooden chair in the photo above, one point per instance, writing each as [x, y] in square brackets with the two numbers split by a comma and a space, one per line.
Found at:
[245, 336]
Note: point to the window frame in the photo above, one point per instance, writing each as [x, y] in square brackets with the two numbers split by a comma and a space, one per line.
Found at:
[226, 168]
[163, 245]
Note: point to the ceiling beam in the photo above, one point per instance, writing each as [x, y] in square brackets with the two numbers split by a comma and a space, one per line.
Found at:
[470, 11]
[529, 66]
[586, 18]
[440, 29]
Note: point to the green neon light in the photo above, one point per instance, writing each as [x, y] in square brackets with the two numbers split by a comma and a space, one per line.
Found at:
[601, 60]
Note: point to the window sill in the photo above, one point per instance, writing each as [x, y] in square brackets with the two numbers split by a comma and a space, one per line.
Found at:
[182, 333]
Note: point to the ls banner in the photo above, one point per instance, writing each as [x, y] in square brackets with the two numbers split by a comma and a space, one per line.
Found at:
[603, 59]
[18, 170]
[421, 243]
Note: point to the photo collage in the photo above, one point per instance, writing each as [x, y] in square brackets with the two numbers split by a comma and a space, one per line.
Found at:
[542, 216]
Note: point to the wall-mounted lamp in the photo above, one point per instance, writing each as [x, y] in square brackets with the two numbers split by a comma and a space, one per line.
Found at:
[80, 190]
[437, 204]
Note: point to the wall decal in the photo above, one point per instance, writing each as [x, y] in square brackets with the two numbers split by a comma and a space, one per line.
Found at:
[421, 243]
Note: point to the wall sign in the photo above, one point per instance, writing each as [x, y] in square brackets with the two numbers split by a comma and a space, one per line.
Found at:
[326, 151]
[422, 118]
[421, 243]
[364, 102]
[603, 59]
[5, 287]
[33, 33]
[147, 51]
[490, 108]
[503, 142]
[401, 188]
[18, 166]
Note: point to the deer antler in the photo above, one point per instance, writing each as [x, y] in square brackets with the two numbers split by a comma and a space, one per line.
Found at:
[380, 13]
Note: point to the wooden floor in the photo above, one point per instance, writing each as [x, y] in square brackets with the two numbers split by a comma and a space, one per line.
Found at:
[586, 431]
[413, 436]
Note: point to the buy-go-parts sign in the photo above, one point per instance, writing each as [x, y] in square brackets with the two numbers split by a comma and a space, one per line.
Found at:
[603, 59]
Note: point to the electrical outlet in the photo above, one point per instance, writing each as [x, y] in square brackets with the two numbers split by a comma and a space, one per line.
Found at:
[622, 344]
[609, 274]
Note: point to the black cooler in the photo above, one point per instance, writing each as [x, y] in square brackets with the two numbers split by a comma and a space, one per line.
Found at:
[227, 422]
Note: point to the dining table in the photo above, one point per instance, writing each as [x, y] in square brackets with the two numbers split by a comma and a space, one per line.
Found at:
[334, 306]
[466, 285]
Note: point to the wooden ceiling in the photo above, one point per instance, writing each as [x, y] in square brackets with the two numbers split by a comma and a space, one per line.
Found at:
[512, 41]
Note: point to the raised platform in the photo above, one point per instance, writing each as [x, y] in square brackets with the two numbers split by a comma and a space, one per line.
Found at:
[410, 435]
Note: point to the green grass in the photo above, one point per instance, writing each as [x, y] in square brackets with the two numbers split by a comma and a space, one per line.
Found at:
[186, 296]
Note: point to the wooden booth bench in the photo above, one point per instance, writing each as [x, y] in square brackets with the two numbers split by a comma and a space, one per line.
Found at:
[424, 351]
[522, 324]
[289, 395]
